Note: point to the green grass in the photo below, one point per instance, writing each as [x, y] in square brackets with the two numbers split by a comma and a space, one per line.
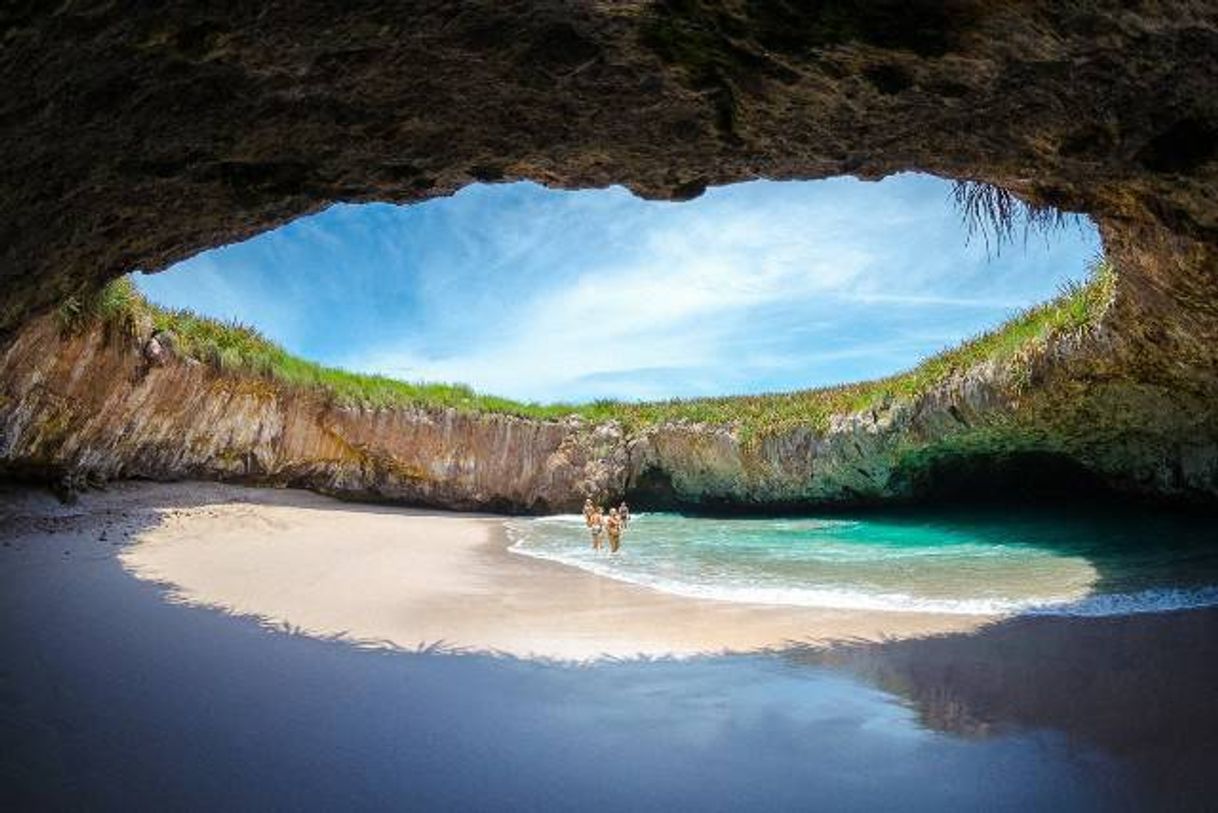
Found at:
[997, 215]
[240, 350]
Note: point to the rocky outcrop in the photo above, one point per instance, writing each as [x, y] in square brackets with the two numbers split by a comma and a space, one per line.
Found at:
[93, 406]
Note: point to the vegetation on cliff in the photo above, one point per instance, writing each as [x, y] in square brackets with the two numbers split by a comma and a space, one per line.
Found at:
[236, 349]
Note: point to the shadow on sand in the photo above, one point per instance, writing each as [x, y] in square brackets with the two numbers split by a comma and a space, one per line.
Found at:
[1138, 687]
[112, 698]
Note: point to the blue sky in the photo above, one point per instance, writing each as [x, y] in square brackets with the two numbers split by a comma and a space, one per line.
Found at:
[545, 295]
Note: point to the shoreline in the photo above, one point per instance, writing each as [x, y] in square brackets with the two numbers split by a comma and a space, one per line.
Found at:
[1037, 712]
[417, 579]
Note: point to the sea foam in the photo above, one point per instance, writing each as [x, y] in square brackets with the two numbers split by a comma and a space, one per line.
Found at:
[722, 585]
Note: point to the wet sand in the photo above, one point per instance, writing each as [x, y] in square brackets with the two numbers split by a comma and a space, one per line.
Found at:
[416, 579]
[113, 698]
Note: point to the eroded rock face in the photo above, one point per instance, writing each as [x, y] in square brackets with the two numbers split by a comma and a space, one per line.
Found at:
[136, 135]
[92, 407]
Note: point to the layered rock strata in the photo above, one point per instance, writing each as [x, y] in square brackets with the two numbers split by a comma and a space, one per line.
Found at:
[88, 407]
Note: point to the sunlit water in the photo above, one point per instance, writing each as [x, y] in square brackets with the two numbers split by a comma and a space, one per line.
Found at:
[983, 562]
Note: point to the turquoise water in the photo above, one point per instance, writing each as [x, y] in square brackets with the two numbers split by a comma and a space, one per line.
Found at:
[982, 562]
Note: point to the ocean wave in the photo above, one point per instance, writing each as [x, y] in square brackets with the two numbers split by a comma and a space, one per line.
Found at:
[1159, 600]
[1156, 600]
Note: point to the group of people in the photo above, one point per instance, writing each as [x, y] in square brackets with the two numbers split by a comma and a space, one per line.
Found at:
[602, 524]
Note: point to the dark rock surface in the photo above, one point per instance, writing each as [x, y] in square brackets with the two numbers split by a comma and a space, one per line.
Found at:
[136, 135]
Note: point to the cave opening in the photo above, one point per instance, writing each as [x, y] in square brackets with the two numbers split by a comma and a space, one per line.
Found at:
[764, 347]
[550, 297]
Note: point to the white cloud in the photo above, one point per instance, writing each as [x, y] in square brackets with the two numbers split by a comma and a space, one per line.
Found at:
[675, 306]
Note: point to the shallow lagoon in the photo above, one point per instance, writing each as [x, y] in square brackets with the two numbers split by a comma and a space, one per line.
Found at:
[980, 561]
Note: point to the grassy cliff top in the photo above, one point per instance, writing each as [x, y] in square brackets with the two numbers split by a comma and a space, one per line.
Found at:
[238, 349]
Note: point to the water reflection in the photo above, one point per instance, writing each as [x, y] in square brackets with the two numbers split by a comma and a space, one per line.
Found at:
[1137, 687]
[111, 698]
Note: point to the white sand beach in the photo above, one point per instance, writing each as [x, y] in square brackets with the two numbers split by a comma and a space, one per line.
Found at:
[416, 578]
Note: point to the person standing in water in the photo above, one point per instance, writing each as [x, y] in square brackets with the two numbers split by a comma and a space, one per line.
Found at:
[596, 522]
[589, 510]
[613, 527]
[623, 513]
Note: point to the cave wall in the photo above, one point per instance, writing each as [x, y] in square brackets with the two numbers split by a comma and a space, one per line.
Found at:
[138, 134]
[80, 409]
[86, 406]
